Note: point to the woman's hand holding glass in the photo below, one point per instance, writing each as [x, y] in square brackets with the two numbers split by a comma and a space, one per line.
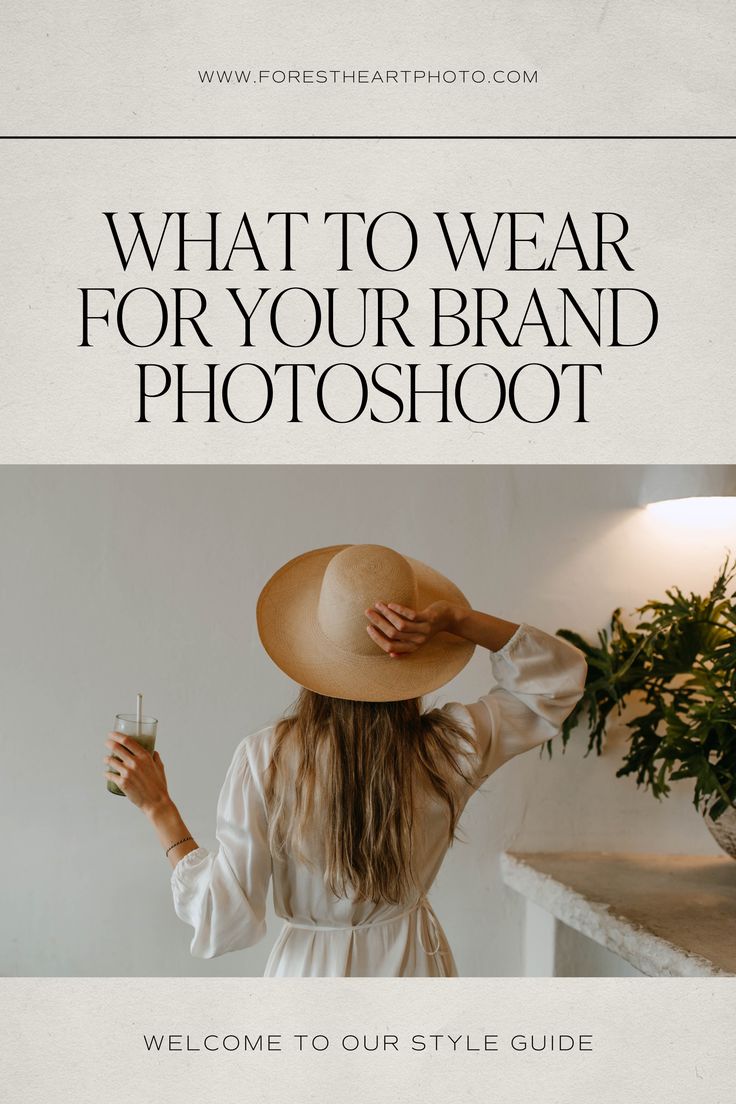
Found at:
[141, 776]
[137, 772]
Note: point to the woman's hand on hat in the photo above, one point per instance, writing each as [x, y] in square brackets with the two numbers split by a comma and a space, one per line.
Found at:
[399, 630]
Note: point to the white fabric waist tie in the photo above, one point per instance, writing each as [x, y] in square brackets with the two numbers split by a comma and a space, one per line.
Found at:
[422, 906]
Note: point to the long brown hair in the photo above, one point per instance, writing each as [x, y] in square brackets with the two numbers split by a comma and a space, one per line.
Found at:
[349, 773]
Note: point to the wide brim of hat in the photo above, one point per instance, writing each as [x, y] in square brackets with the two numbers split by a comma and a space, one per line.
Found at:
[287, 625]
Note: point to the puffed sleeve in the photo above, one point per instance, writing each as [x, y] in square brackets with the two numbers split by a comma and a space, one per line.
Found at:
[222, 894]
[539, 679]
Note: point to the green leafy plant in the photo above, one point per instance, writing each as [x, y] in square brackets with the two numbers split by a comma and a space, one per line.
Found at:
[679, 660]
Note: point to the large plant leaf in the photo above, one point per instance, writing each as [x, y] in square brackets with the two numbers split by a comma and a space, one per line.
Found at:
[680, 659]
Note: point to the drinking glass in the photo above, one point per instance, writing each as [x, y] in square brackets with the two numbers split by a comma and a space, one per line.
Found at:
[144, 731]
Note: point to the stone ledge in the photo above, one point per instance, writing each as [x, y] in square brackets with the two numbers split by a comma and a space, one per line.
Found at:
[668, 915]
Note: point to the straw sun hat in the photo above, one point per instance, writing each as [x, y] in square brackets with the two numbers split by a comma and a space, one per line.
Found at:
[311, 621]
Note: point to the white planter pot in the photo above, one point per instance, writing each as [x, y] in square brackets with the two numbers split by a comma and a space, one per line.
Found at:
[723, 830]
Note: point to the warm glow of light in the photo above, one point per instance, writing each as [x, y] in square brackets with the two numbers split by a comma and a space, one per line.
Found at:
[701, 513]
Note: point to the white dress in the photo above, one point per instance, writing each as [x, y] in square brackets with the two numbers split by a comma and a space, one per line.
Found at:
[222, 894]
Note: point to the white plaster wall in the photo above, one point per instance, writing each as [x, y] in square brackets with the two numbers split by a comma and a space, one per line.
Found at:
[117, 579]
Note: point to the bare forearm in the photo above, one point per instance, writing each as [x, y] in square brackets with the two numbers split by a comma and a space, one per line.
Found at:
[400, 630]
[481, 628]
[170, 828]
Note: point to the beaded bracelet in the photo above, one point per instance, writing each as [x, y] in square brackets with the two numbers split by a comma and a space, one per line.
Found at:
[177, 844]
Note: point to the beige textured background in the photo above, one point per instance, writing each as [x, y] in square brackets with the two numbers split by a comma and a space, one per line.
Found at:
[90, 67]
[662, 402]
[604, 68]
[666, 1040]
[117, 579]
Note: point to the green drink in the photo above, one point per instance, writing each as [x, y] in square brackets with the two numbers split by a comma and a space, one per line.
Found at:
[143, 730]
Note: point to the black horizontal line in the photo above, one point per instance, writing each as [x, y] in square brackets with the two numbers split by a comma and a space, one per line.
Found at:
[369, 137]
